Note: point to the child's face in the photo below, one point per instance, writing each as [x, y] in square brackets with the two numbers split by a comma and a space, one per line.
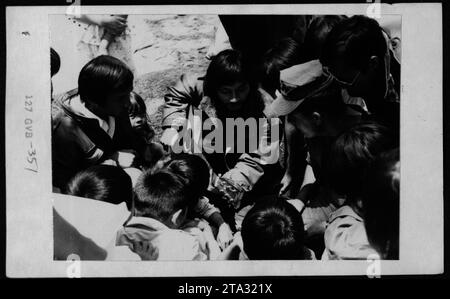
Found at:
[138, 121]
[233, 95]
[117, 103]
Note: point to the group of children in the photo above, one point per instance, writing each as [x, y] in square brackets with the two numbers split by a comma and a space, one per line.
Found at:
[334, 195]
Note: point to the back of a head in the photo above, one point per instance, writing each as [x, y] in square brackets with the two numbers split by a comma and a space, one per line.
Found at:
[101, 76]
[316, 34]
[355, 40]
[273, 231]
[159, 194]
[284, 54]
[55, 62]
[195, 172]
[102, 182]
[381, 206]
[352, 153]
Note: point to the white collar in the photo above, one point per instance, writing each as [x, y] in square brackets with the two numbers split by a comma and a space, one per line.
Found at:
[80, 108]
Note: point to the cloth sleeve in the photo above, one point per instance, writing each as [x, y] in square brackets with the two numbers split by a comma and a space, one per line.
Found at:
[250, 167]
[187, 91]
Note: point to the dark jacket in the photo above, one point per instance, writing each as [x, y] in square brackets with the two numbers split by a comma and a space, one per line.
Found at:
[245, 169]
[75, 139]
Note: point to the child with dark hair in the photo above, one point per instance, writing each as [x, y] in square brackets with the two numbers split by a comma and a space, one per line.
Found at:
[316, 34]
[139, 118]
[102, 182]
[195, 171]
[160, 210]
[284, 54]
[150, 151]
[91, 124]
[356, 54]
[229, 85]
[381, 205]
[350, 156]
[271, 230]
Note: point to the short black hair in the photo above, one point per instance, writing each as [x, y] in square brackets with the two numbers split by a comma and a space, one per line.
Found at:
[355, 40]
[102, 182]
[159, 193]
[351, 154]
[316, 34]
[101, 76]
[381, 205]
[55, 62]
[285, 53]
[137, 104]
[195, 172]
[227, 67]
[273, 230]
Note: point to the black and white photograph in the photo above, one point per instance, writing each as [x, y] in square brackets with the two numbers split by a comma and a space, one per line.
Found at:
[254, 134]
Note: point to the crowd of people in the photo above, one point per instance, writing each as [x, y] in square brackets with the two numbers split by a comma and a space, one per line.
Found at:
[328, 84]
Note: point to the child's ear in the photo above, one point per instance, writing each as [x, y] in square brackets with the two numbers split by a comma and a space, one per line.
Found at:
[178, 217]
[316, 118]
[374, 61]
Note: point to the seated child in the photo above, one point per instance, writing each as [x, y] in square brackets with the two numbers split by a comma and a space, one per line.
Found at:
[352, 152]
[150, 151]
[271, 230]
[91, 124]
[381, 206]
[102, 182]
[195, 172]
[160, 209]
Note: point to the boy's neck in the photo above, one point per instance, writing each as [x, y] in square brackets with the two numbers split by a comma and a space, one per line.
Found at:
[95, 110]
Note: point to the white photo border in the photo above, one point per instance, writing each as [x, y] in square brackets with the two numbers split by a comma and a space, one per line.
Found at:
[29, 194]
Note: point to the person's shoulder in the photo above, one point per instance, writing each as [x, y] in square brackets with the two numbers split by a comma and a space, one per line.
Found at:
[345, 217]
[177, 244]
[192, 81]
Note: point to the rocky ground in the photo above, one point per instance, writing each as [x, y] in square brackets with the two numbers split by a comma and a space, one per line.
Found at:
[163, 47]
[168, 47]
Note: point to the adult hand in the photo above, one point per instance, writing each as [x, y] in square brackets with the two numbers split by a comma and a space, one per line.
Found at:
[286, 183]
[115, 24]
[224, 236]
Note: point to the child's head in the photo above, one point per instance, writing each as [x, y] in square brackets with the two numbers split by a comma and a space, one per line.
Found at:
[318, 115]
[354, 53]
[381, 206]
[55, 62]
[138, 115]
[285, 53]
[316, 33]
[161, 195]
[106, 82]
[351, 154]
[102, 182]
[273, 231]
[195, 172]
[228, 81]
